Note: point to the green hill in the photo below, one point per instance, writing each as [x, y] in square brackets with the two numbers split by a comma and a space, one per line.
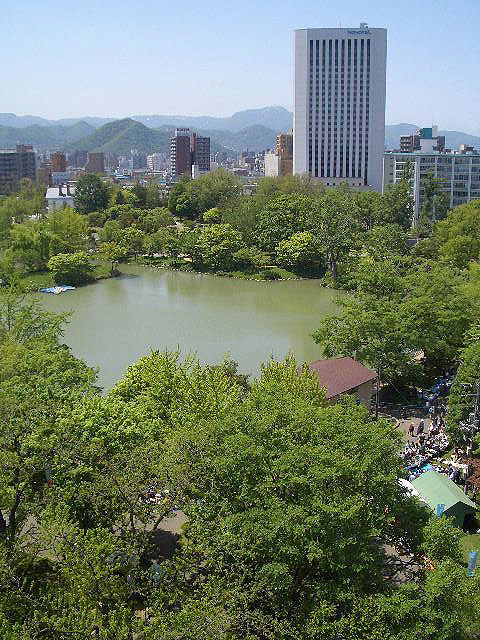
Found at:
[44, 137]
[120, 136]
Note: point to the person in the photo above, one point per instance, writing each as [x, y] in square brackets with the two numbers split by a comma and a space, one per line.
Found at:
[404, 413]
[411, 429]
[421, 427]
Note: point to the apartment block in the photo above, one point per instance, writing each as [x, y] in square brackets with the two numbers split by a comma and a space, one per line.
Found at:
[16, 164]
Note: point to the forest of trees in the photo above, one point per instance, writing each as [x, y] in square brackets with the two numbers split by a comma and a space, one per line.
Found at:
[296, 525]
[293, 505]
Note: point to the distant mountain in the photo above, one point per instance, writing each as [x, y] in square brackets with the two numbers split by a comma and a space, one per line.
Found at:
[120, 136]
[43, 137]
[255, 138]
[252, 129]
[453, 139]
[276, 118]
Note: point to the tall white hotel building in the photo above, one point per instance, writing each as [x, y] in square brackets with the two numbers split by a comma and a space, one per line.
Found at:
[339, 114]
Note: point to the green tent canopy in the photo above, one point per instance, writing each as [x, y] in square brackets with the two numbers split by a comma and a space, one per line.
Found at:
[435, 488]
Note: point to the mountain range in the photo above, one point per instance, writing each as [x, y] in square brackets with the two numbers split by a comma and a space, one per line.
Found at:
[253, 129]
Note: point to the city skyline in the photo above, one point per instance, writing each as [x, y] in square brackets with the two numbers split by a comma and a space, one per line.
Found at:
[95, 53]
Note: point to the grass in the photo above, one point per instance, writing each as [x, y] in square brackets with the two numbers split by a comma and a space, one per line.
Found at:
[468, 543]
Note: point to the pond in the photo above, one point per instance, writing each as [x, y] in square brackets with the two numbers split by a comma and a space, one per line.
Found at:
[116, 321]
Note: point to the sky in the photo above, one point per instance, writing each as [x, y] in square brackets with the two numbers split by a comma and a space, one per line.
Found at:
[216, 57]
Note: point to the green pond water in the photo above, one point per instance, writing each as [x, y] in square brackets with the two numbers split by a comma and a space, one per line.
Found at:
[116, 321]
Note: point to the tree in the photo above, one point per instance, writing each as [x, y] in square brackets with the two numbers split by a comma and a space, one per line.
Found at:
[280, 218]
[38, 379]
[435, 204]
[91, 194]
[370, 330]
[22, 318]
[456, 239]
[68, 231]
[333, 221]
[384, 241]
[30, 245]
[114, 253]
[110, 231]
[132, 240]
[216, 245]
[398, 206]
[211, 216]
[71, 268]
[300, 252]
[370, 209]
[290, 500]
[152, 220]
[251, 258]
[461, 399]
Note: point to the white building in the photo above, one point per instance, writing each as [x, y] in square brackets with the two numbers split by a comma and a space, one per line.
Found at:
[272, 164]
[339, 112]
[60, 197]
[157, 162]
[458, 172]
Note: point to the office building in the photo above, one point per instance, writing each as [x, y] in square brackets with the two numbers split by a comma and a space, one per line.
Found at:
[44, 174]
[180, 158]
[189, 153]
[426, 139]
[16, 164]
[200, 152]
[58, 162]
[458, 173]
[95, 163]
[280, 162]
[77, 159]
[339, 112]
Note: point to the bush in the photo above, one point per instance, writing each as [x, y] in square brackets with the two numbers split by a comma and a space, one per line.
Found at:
[96, 219]
[71, 268]
[269, 274]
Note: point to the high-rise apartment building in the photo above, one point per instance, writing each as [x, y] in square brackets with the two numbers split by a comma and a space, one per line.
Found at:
[180, 160]
[16, 164]
[200, 152]
[95, 163]
[78, 159]
[189, 153]
[157, 162]
[339, 113]
[280, 162]
[58, 161]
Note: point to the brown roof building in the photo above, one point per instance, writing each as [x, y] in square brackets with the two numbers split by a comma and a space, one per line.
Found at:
[345, 375]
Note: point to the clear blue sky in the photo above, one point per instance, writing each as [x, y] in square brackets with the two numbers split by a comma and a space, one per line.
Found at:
[214, 57]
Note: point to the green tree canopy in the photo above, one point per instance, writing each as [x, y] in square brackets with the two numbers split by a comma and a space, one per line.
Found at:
[71, 268]
[91, 194]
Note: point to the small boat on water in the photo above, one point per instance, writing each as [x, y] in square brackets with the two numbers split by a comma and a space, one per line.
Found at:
[59, 288]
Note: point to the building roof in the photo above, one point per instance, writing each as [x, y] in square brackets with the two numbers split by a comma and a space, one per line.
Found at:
[53, 192]
[435, 488]
[341, 375]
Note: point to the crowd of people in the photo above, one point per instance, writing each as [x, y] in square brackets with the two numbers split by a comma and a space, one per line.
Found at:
[428, 441]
